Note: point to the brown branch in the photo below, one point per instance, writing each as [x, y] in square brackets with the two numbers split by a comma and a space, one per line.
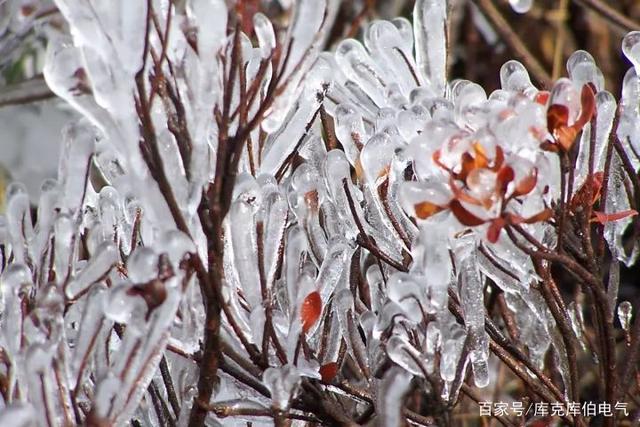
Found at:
[611, 15]
[515, 43]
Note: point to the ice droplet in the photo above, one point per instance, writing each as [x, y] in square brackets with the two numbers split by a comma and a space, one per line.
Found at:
[631, 49]
[625, 310]
[521, 6]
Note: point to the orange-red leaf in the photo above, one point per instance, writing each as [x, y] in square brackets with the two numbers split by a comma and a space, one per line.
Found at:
[566, 136]
[310, 310]
[557, 117]
[461, 195]
[542, 97]
[497, 162]
[587, 107]
[526, 184]
[580, 198]
[436, 159]
[505, 176]
[543, 215]
[464, 216]
[603, 218]
[328, 372]
[425, 209]
[493, 233]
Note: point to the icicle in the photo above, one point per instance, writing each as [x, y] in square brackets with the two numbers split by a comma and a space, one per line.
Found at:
[631, 49]
[430, 38]
[19, 221]
[358, 66]
[15, 284]
[404, 290]
[298, 124]
[90, 325]
[282, 383]
[211, 20]
[305, 31]
[243, 233]
[394, 385]
[79, 142]
[332, 268]
[265, 34]
[582, 69]
[405, 355]
[472, 302]
[452, 346]
[350, 130]
[102, 260]
[392, 50]
[605, 113]
[65, 75]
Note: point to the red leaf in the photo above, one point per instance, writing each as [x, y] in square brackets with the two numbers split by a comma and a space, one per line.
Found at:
[310, 310]
[566, 136]
[587, 109]
[542, 97]
[603, 218]
[436, 159]
[526, 184]
[580, 198]
[497, 162]
[464, 216]
[557, 117]
[328, 372]
[461, 195]
[505, 176]
[493, 233]
[543, 215]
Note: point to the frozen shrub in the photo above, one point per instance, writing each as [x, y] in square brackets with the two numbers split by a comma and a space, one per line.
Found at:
[246, 229]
